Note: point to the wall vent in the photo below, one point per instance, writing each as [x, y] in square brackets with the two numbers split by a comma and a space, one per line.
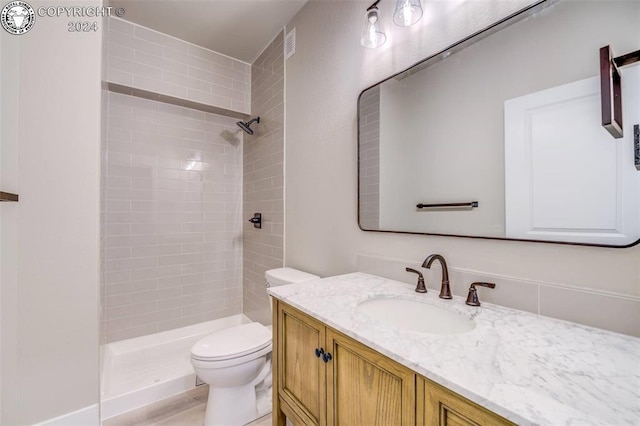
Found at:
[290, 44]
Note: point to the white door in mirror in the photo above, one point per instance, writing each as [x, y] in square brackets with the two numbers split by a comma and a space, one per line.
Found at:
[566, 178]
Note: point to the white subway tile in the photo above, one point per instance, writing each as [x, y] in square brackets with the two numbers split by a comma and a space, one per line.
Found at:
[120, 25]
[181, 280]
[186, 58]
[208, 98]
[117, 324]
[154, 317]
[212, 78]
[131, 287]
[159, 86]
[164, 64]
[154, 295]
[116, 229]
[124, 78]
[211, 56]
[186, 81]
[117, 205]
[160, 272]
[156, 256]
[158, 38]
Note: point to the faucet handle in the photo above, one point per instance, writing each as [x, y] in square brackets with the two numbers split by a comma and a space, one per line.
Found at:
[472, 297]
[420, 288]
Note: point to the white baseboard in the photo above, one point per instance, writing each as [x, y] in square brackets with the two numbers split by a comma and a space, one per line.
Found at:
[89, 416]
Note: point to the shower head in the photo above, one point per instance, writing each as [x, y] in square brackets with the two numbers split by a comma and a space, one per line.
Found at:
[247, 126]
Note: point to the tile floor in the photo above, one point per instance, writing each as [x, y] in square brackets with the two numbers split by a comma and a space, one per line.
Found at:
[183, 410]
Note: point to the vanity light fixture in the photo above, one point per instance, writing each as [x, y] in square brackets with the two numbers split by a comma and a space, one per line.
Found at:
[407, 13]
[372, 33]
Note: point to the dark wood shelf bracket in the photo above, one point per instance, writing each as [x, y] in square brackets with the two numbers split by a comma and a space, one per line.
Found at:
[611, 88]
[6, 196]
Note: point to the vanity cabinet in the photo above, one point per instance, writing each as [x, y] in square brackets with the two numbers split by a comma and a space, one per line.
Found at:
[437, 405]
[325, 378]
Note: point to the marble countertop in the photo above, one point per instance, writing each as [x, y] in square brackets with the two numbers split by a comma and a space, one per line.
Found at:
[527, 368]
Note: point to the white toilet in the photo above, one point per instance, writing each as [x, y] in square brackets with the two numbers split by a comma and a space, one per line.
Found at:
[233, 361]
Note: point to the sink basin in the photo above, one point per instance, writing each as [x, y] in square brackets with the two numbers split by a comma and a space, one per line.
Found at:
[415, 316]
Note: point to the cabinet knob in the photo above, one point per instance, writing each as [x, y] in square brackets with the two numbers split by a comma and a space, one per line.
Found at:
[326, 357]
[319, 352]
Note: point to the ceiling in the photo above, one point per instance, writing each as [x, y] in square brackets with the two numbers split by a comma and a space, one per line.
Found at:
[237, 28]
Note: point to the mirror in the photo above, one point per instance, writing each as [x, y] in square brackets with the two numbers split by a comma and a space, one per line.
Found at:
[500, 135]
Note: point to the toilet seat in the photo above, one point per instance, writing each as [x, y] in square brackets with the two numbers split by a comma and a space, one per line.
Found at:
[234, 345]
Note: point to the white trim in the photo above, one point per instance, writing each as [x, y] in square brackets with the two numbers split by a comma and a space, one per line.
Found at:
[88, 416]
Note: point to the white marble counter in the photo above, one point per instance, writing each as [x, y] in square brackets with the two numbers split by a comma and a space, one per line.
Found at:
[527, 368]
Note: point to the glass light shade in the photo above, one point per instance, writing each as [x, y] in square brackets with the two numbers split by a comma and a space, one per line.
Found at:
[372, 33]
[407, 13]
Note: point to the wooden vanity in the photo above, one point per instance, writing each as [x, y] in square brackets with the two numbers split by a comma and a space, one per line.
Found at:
[336, 362]
[322, 377]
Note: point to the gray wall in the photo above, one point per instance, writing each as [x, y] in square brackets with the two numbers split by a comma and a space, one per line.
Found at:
[323, 81]
[50, 239]
[264, 179]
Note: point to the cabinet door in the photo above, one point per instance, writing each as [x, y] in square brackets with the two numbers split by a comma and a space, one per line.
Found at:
[366, 388]
[438, 406]
[301, 375]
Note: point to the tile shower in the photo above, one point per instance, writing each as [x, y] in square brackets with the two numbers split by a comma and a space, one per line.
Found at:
[173, 248]
[172, 181]
[174, 204]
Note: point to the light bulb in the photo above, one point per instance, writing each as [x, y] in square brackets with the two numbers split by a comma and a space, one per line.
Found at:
[407, 13]
[372, 33]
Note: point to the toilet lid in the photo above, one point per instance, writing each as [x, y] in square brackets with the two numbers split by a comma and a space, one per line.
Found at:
[232, 342]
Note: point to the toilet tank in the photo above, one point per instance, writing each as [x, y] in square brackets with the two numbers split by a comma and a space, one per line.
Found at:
[283, 276]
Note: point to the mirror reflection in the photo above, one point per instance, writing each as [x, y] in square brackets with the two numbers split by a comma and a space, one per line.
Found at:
[501, 136]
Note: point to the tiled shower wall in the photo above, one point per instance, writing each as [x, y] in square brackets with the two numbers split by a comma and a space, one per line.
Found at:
[370, 159]
[173, 233]
[264, 179]
[146, 59]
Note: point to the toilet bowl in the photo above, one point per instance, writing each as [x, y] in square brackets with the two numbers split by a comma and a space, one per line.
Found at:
[235, 360]
[232, 361]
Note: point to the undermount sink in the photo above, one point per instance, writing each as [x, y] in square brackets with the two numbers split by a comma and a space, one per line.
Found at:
[415, 316]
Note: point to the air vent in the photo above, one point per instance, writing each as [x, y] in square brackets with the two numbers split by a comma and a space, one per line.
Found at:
[290, 44]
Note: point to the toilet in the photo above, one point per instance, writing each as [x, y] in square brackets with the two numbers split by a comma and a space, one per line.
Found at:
[234, 361]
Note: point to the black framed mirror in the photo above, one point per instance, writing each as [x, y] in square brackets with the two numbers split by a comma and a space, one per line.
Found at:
[499, 136]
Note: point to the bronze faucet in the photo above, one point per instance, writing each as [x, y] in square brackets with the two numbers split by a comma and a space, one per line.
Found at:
[472, 297]
[445, 291]
[420, 288]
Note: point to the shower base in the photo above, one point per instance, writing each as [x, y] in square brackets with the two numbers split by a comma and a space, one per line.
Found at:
[143, 370]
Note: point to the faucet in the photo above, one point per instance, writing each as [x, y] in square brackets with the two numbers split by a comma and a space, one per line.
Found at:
[445, 291]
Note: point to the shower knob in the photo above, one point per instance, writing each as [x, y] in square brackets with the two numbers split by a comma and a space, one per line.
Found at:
[256, 220]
